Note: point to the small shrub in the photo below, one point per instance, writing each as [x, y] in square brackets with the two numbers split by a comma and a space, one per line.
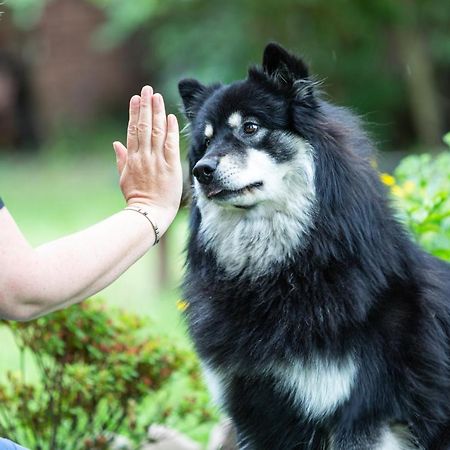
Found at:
[96, 369]
[424, 197]
[421, 190]
[184, 404]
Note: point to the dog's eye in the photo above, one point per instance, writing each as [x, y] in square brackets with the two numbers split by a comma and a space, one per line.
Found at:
[207, 142]
[250, 128]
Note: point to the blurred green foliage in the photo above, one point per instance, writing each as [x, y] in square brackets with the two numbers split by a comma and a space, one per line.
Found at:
[421, 189]
[355, 45]
[97, 369]
[26, 12]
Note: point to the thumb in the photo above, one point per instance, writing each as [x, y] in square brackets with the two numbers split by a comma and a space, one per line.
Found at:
[121, 155]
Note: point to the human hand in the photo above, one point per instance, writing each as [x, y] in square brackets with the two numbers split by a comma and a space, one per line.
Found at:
[149, 166]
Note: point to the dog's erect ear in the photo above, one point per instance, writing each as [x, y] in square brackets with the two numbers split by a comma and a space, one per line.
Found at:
[192, 93]
[283, 66]
[286, 72]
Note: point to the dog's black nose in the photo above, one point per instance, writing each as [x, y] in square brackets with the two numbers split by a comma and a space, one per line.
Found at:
[204, 170]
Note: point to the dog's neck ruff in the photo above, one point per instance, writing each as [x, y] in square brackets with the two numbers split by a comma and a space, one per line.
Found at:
[252, 242]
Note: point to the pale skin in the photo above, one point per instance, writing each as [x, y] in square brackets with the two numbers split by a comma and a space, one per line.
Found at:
[36, 281]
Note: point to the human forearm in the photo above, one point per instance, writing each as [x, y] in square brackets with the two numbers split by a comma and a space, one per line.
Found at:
[67, 270]
[78, 266]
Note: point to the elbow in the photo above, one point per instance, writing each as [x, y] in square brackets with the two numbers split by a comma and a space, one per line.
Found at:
[25, 313]
[12, 309]
[26, 317]
[14, 306]
[21, 316]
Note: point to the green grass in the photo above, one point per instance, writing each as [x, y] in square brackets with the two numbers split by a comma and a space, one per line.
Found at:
[50, 197]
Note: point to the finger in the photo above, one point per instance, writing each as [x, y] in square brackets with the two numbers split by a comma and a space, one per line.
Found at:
[159, 124]
[132, 137]
[145, 119]
[172, 144]
[121, 155]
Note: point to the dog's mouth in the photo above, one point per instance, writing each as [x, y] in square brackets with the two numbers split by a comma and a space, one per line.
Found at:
[225, 194]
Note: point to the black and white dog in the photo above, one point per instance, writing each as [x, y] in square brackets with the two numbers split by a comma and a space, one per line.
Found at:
[319, 324]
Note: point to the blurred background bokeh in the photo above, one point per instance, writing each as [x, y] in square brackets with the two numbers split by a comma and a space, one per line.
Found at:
[68, 68]
[70, 65]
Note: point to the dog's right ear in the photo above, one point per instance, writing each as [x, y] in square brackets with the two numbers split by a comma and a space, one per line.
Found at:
[193, 94]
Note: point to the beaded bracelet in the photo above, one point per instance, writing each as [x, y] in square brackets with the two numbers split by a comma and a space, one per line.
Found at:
[145, 214]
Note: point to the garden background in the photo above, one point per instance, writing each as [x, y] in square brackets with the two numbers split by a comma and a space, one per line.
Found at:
[67, 70]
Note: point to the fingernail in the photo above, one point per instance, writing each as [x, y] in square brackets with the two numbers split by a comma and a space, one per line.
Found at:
[157, 98]
[147, 89]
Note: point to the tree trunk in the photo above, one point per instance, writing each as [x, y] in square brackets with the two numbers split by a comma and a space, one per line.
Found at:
[423, 98]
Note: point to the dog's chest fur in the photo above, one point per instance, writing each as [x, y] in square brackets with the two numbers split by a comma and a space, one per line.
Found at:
[314, 388]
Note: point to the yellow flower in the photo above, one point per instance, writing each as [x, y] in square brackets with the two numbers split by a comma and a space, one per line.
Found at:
[387, 179]
[182, 305]
[408, 187]
[397, 191]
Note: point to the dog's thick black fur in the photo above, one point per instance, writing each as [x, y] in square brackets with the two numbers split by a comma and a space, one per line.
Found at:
[357, 287]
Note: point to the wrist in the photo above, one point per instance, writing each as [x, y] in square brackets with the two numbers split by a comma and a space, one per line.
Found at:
[162, 217]
[143, 212]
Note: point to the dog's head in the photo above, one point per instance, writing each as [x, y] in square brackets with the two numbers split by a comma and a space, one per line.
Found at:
[246, 151]
[276, 168]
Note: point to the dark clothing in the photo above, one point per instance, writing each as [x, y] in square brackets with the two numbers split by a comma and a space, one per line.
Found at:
[1, 204]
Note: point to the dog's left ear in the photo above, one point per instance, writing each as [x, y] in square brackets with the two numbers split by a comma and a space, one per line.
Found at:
[287, 71]
[283, 66]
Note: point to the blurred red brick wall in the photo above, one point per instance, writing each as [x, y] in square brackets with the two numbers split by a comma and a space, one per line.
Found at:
[70, 80]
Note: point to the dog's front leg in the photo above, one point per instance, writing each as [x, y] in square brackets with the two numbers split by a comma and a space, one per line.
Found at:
[264, 419]
[279, 442]
[374, 437]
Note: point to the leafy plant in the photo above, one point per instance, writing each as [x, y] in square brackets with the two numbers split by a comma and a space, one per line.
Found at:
[421, 189]
[96, 369]
[191, 412]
